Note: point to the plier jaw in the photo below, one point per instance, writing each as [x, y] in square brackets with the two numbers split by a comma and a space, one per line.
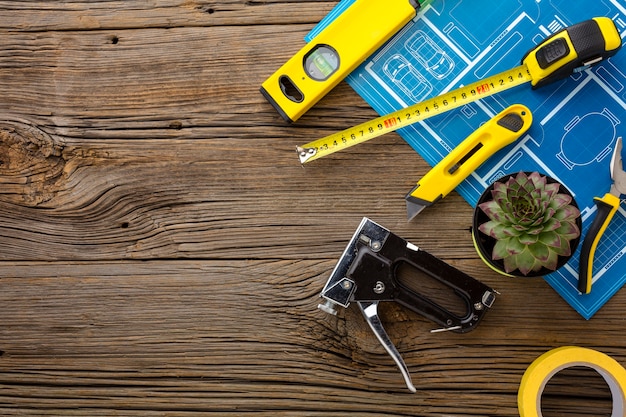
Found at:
[606, 208]
[618, 175]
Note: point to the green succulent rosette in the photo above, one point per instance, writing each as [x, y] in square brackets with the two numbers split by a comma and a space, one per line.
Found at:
[531, 221]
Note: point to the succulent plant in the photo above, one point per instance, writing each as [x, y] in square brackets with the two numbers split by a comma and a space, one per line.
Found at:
[531, 222]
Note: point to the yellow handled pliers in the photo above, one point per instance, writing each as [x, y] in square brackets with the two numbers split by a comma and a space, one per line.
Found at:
[606, 207]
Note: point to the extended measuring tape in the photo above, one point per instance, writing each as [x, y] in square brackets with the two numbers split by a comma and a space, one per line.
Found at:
[570, 50]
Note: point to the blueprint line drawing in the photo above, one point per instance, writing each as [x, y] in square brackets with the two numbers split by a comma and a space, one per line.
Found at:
[571, 154]
[429, 54]
[406, 77]
[576, 120]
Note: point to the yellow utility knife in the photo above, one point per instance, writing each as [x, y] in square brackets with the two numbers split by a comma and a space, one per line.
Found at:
[607, 206]
[501, 130]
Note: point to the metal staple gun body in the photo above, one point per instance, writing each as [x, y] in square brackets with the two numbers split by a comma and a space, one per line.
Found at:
[606, 207]
[373, 269]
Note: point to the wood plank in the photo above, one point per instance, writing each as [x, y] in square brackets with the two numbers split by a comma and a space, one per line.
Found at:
[115, 199]
[79, 78]
[146, 338]
[115, 14]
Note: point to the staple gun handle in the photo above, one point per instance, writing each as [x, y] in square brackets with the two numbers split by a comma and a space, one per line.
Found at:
[466, 300]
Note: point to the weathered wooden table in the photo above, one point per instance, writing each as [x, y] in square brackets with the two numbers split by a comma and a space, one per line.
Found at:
[162, 250]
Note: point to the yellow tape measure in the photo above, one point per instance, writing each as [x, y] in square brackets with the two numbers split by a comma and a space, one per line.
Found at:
[570, 50]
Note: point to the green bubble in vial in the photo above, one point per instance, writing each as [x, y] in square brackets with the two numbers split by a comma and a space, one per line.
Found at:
[322, 64]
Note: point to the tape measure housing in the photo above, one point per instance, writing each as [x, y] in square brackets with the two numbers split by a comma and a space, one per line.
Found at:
[572, 50]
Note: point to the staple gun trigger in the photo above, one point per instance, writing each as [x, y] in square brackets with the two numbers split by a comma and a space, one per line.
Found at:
[378, 265]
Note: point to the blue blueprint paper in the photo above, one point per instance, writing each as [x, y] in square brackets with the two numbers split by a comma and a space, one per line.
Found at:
[576, 121]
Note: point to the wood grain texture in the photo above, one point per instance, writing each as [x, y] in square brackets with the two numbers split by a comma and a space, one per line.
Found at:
[162, 250]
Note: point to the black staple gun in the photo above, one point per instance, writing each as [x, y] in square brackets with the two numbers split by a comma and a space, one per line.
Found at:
[378, 265]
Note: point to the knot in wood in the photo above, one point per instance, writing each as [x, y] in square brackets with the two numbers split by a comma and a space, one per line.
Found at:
[30, 164]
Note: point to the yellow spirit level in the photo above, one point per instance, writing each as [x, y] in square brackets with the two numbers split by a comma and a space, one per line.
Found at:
[337, 50]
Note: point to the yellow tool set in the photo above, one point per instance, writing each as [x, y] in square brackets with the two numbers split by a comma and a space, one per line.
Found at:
[373, 267]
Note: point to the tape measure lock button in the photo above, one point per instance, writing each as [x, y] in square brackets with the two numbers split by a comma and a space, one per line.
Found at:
[552, 52]
[550, 363]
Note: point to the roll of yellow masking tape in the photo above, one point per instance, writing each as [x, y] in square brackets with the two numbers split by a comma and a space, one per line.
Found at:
[547, 365]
